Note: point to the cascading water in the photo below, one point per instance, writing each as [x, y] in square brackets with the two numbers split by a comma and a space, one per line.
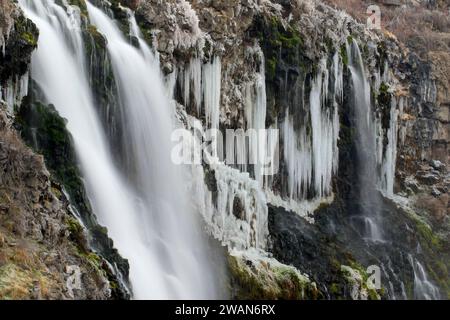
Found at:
[366, 144]
[145, 211]
[423, 287]
[369, 155]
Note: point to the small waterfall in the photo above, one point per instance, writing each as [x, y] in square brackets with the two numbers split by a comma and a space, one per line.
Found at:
[372, 230]
[145, 209]
[424, 289]
[365, 144]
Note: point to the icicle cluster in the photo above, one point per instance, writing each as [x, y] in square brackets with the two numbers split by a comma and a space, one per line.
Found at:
[386, 157]
[236, 211]
[202, 82]
[390, 156]
[312, 157]
[211, 88]
[14, 91]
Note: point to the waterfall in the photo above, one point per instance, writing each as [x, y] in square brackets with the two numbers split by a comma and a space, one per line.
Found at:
[365, 144]
[146, 211]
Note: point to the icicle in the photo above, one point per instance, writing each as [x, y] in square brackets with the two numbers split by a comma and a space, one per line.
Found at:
[390, 157]
[338, 98]
[193, 82]
[14, 92]
[323, 134]
[238, 215]
[170, 82]
[298, 158]
[315, 159]
[255, 109]
[211, 88]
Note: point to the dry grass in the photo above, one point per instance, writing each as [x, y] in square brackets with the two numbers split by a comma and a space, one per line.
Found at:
[436, 206]
[22, 274]
[15, 283]
[422, 28]
[32, 282]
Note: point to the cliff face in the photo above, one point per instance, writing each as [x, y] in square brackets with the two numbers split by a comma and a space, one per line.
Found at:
[288, 42]
[46, 251]
[42, 245]
[247, 64]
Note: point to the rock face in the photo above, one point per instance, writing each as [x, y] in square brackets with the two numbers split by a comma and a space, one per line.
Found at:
[47, 241]
[6, 20]
[43, 248]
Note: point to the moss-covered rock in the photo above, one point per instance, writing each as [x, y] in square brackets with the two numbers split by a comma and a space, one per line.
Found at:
[281, 45]
[20, 44]
[357, 280]
[264, 278]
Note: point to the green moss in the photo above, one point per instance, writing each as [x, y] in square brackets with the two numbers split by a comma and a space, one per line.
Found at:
[428, 235]
[20, 44]
[266, 281]
[350, 39]
[271, 66]
[96, 36]
[74, 226]
[29, 38]
[322, 206]
[279, 43]
[384, 96]
[382, 54]
[343, 54]
[45, 131]
[329, 44]
[356, 266]
[372, 293]
[335, 289]
[80, 4]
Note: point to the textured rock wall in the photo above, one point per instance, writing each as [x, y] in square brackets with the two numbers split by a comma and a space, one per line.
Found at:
[40, 240]
[44, 241]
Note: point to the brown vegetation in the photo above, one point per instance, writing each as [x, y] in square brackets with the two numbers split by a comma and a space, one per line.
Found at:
[422, 27]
